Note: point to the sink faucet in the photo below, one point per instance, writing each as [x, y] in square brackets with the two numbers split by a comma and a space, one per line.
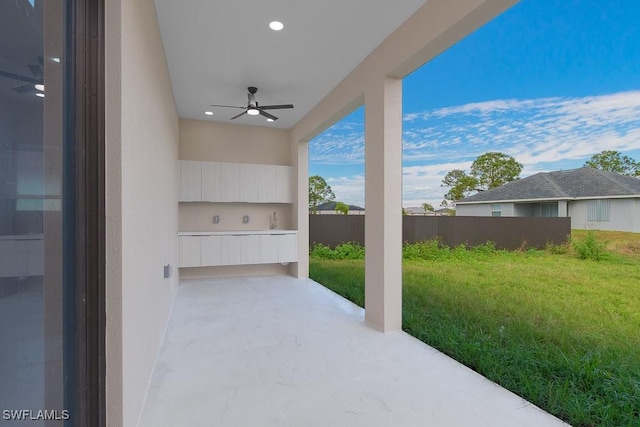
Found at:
[274, 221]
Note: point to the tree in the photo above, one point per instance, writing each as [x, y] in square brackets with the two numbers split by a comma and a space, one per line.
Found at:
[342, 208]
[494, 169]
[427, 207]
[460, 185]
[490, 170]
[319, 192]
[613, 161]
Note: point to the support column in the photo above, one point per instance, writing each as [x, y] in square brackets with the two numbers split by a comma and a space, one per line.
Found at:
[383, 204]
[300, 214]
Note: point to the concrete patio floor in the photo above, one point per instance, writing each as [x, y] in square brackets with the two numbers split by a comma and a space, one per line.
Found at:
[278, 351]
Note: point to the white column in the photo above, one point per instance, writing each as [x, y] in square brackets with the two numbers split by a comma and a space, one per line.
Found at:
[383, 204]
[300, 212]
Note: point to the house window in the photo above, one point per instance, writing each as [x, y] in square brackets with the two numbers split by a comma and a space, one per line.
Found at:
[599, 210]
[549, 209]
[496, 210]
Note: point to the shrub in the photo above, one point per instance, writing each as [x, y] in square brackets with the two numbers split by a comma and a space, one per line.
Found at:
[350, 250]
[429, 250]
[591, 248]
[488, 248]
[555, 249]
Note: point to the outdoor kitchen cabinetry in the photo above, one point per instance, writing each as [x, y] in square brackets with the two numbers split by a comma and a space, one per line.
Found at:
[234, 182]
[206, 249]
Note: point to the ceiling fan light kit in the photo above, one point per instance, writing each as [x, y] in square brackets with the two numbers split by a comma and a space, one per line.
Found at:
[254, 109]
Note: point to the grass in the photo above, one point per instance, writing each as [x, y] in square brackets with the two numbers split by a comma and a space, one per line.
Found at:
[560, 331]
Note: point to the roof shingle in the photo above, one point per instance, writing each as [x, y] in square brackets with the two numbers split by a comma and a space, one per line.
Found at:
[567, 184]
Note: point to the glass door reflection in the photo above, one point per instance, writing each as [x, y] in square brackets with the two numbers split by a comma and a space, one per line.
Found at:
[32, 371]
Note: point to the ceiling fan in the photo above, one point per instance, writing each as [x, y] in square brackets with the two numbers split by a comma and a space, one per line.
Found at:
[253, 108]
[32, 83]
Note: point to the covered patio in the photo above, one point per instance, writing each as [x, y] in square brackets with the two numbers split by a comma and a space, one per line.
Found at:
[280, 351]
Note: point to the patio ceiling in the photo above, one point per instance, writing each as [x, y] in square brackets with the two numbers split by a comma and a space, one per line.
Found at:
[216, 48]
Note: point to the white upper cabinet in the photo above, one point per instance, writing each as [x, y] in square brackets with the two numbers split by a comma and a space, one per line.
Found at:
[284, 184]
[248, 183]
[220, 182]
[233, 182]
[190, 181]
[266, 183]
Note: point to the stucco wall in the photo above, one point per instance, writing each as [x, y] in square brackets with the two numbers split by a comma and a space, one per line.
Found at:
[624, 216]
[221, 142]
[142, 211]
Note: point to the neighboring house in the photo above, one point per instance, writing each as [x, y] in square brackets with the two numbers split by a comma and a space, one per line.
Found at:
[594, 199]
[445, 212]
[418, 210]
[329, 208]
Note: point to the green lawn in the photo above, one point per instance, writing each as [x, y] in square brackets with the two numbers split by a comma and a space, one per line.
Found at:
[562, 332]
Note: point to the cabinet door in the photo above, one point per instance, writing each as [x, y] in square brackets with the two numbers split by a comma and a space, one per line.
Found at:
[231, 250]
[269, 248]
[229, 182]
[248, 183]
[250, 249]
[189, 251]
[288, 248]
[211, 250]
[211, 182]
[190, 181]
[266, 183]
[284, 184]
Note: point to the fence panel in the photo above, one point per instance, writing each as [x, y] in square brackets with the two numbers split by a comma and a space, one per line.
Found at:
[505, 232]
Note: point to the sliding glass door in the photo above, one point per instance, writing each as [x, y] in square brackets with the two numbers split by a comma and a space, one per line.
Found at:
[37, 315]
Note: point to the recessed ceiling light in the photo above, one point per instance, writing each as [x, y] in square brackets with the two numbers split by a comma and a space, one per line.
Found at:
[269, 120]
[253, 112]
[276, 25]
[40, 94]
[40, 87]
[209, 113]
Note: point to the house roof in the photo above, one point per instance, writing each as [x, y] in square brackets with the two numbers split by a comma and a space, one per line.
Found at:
[567, 184]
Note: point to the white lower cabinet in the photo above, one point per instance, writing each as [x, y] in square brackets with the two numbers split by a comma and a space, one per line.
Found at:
[269, 248]
[189, 251]
[237, 249]
[287, 247]
[211, 247]
[231, 250]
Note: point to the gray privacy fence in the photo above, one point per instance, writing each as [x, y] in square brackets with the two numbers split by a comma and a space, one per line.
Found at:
[505, 232]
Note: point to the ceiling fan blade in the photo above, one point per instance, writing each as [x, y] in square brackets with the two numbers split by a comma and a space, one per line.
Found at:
[267, 115]
[19, 77]
[25, 88]
[241, 114]
[227, 106]
[276, 107]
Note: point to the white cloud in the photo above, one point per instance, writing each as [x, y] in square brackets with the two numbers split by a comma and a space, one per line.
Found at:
[542, 134]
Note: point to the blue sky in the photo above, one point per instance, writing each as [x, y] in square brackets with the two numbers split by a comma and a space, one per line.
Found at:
[549, 82]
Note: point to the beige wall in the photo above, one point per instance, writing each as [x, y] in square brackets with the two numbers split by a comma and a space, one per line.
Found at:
[221, 142]
[142, 213]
